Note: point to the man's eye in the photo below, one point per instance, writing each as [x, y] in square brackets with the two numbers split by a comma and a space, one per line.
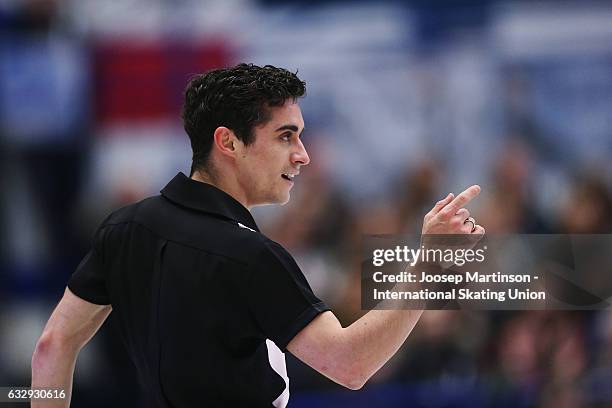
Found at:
[286, 137]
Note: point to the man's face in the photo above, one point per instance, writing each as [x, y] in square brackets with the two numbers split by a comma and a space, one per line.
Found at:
[267, 166]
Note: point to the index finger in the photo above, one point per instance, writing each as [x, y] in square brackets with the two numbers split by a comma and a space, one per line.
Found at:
[461, 200]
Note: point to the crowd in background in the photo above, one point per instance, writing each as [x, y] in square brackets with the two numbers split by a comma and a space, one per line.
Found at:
[406, 102]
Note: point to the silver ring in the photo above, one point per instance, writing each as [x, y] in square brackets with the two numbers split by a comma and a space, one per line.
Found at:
[473, 221]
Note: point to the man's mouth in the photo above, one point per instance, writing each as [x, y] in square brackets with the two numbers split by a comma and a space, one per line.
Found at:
[289, 176]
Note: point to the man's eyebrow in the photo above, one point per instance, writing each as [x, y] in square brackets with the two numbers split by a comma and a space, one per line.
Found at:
[292, 128]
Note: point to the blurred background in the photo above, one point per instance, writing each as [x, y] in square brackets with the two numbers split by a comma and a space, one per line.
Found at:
[406, 102]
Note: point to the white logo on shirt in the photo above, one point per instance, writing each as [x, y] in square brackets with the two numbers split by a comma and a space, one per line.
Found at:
[245, 227]
[277, 362]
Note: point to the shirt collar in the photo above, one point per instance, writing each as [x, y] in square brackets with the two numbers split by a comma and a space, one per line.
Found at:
[207, 198]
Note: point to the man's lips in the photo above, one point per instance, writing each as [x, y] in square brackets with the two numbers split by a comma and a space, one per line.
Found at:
[289, 176]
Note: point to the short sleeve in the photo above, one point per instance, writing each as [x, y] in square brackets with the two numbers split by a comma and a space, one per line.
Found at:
[88, 281]
[279, 296]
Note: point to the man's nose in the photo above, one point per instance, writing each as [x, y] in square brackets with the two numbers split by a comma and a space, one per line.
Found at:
[300, 156]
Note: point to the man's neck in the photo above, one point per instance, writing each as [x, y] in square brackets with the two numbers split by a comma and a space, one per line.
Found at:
[205, 177]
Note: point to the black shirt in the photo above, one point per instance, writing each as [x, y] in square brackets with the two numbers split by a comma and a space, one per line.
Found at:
[197, 290]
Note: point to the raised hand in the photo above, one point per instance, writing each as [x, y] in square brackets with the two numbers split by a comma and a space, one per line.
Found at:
[449, 216]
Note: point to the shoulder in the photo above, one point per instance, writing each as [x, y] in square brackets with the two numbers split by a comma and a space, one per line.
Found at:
[254, 248]
[275, 250]
[270, 255]
[230, 239]
[130, 212]
[153, 213]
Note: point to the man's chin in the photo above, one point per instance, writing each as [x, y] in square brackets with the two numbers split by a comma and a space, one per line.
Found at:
[284, 200]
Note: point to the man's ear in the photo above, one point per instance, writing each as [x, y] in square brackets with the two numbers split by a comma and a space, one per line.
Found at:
[225, 141]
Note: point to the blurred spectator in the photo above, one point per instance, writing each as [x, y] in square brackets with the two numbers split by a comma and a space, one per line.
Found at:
[507, 205]
[587, 208]
[44, 119]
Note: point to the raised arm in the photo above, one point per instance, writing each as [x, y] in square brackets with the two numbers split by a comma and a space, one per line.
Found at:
[351, 355]
[72, 324]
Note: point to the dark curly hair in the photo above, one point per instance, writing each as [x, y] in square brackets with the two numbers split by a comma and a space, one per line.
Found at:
[238, 98]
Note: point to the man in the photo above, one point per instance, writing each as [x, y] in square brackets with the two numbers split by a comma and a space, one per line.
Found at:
[205, 303]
